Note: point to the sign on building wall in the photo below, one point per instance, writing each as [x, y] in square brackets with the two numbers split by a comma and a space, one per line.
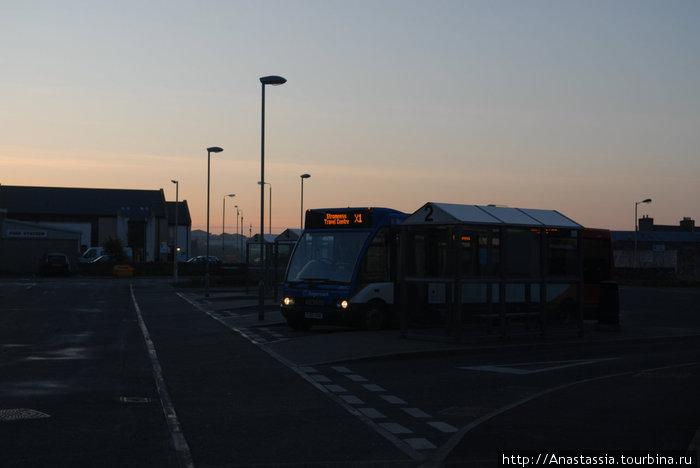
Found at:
[26, 233]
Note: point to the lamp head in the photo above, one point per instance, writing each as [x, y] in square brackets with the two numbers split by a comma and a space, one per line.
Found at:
[305, 176]
[231, 195]
[215, 149]
[648, 200]
[273, 80]
[174, 181]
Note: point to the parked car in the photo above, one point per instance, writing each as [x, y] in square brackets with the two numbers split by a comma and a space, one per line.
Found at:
[203, 259]
[102, 259]
[91, 254]
[56, 263]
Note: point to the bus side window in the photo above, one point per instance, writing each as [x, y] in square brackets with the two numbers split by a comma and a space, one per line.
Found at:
[375, 265]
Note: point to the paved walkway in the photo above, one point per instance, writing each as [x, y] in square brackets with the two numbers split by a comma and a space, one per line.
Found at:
[325, 344]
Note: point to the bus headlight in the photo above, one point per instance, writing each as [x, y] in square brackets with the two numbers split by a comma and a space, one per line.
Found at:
[288, 301]
[343, 304]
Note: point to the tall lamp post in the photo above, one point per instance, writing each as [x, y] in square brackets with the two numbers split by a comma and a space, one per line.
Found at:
[648, 200]
[269, 215]
[223, 227]
[274, 81]
[177, 228]
[240, 249]
[237, 214]
[301, 215]
[213, 149]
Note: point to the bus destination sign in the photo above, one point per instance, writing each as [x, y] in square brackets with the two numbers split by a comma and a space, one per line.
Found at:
[319, 219]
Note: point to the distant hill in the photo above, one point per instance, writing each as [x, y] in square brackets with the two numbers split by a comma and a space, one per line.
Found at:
[228, 237]
[232, 243]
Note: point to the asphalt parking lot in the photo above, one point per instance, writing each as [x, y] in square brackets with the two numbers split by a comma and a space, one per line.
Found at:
[109, 372]
[652, 319]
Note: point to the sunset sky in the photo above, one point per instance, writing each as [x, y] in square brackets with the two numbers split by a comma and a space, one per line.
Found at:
[584, 107]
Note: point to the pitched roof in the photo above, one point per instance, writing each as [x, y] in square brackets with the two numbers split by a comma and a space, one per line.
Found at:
[183, 213]
[289, 235]
[449, 213]
[81, 201]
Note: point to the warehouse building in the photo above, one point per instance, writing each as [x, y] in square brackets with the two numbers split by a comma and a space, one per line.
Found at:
[139, 218]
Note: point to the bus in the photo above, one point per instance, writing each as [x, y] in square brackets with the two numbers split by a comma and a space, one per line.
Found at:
[343, 268]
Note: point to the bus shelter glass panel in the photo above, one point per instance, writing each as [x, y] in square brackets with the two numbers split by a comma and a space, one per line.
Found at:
[284, 252]
[326, 256]
[562, 252]
[522, 253]
[479, 253]
[429, 253]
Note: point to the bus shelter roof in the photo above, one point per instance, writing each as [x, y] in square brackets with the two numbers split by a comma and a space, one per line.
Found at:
[268, 238]
[450, 214]
[288, 235]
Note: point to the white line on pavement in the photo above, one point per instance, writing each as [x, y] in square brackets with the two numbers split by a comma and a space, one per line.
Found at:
[178, 438]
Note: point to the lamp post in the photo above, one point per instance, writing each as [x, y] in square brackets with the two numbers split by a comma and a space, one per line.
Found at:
[223, 227]
[269, 215]
[274, 81]
[213, 149]
[237, 214]
[301, 215]
[648, 200]
[240, 239]
[177, 228]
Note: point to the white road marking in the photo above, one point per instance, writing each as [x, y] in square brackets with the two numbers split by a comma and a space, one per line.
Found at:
[443, 426]
[374, 388]
[320, 378]
[416, 413]
[523, 368]
[330, 390]
[371, 413]
[356, 378]
[394, 400]
[444, 451]
[352, 399]
[396, 428]
[178, 438]
[335, 388]
[420, 443]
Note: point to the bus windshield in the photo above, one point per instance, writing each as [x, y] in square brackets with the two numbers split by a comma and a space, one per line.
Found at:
[326, 257]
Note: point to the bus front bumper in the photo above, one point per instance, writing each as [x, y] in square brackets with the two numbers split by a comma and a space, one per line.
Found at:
[343, 313]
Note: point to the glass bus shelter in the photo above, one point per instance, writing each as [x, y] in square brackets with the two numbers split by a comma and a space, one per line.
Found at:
[469, 271]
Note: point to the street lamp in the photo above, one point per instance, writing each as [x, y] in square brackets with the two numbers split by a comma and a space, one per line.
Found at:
[274, 81]
[223, 227]
[177, 228]
[213, 149]
[269, 216]
[240, 239]
[648, 200]
[237, 214]
[301, 215]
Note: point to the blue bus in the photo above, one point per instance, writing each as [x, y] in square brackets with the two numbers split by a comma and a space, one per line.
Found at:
[342, 270]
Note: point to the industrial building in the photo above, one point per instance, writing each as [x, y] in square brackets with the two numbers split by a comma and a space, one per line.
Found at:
[141, 219]
[671, 248]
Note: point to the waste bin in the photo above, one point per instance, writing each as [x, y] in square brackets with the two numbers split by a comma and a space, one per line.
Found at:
[609, 313]
[123, 271]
